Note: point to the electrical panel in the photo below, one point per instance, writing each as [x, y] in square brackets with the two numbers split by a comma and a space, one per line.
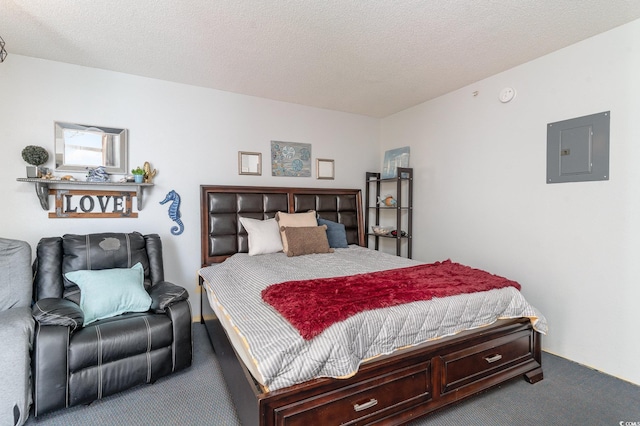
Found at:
[578, 149]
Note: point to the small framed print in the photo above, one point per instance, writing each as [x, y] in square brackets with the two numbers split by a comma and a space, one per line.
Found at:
[249, 163]
[325, 168]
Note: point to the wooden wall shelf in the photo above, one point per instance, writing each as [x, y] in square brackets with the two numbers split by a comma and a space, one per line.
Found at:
[44, 185]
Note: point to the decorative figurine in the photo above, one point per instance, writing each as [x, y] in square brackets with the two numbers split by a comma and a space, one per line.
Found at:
[174, 211]
[97, 175]
[388, 201]
[148, 173]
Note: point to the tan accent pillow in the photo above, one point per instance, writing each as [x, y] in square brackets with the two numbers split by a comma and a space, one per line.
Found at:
[294, 220]
[306, 240]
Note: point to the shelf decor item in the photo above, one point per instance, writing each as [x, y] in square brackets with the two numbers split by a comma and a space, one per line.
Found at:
[97, 174]
[148, 173]
[35, 156]
[138, 174]
[387, 201]
[381, 230]
[393, 159]
[79, 146]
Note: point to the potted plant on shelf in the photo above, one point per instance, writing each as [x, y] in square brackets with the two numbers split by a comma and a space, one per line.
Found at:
[138, 174]
[35, 156]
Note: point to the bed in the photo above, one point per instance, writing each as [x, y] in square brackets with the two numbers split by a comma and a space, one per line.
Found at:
[393, 387]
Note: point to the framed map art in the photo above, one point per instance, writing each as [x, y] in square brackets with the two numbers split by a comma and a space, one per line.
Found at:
[290, 159]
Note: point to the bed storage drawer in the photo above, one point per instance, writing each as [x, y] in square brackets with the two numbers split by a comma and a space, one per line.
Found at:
[362, 402]
[472, 364]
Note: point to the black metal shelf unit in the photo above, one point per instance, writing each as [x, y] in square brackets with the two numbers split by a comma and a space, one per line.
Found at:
[403, 207]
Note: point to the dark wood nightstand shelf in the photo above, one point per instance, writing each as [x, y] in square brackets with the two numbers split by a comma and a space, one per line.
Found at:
[402, 186]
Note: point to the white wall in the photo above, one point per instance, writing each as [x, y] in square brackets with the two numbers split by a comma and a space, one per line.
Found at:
[482, 200]
[191, 135]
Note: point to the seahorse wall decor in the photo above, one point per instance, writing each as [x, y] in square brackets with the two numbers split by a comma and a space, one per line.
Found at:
[174, 211]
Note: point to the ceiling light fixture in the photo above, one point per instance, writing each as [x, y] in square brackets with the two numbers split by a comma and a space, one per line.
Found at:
[3, 51]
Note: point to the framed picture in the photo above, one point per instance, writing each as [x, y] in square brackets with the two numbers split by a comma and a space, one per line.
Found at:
[325, 169]
[393, 159]
[249, 163]
[290, 159]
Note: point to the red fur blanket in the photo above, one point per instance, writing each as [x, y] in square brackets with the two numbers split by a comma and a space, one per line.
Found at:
[313, 305]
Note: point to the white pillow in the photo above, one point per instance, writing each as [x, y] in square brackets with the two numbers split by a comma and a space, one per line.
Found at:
[264, 235]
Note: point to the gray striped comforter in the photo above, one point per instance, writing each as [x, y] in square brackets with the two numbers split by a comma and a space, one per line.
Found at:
[284, 358]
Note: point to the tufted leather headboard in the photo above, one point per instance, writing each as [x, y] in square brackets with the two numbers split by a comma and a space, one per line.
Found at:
[222, 234]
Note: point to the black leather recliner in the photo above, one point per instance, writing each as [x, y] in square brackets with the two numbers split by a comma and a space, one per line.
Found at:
[74, 364]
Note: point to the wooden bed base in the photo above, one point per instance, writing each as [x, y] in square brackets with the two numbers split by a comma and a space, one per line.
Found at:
[391, 389]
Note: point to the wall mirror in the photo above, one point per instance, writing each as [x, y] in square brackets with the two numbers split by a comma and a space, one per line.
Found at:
[80, 146]
[325, 168]
[249, 163]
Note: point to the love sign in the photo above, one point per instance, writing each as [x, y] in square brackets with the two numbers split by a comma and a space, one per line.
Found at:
[93, 204]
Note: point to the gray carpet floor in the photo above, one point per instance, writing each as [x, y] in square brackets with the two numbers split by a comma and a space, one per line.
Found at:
[570, 394]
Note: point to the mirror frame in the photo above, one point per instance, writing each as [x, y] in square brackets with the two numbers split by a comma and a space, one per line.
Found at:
[122, 148]
[325, 168]
[257, 156]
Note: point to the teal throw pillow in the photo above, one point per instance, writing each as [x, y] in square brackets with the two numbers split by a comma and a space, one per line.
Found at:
[106, 293]
[336, 233]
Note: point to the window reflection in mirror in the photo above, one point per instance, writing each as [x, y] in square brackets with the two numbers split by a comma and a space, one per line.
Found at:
[79, 146]
[249, 163]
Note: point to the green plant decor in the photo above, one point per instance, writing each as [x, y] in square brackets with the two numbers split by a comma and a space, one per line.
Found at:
[35, 155]
[137, 171]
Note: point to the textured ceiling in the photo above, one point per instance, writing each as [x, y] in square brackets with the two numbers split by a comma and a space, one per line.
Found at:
[366, 57]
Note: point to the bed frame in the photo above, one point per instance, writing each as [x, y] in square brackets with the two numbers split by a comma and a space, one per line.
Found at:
[392, 389]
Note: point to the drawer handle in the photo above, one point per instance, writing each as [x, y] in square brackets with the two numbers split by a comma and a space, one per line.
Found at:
[359, 407]
[493, 358]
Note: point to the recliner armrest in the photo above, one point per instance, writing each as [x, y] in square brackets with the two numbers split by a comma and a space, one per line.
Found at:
[57, 311]
[165, 294]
